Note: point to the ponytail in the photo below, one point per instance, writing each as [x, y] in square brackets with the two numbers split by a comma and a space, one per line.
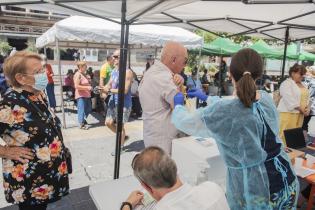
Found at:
[246, 89]
[246, 66]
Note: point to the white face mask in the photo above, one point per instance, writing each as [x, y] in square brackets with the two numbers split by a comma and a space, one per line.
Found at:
[41, 81]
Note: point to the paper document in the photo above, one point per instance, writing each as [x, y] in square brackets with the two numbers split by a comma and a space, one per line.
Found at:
[303, 171]
[310, 160]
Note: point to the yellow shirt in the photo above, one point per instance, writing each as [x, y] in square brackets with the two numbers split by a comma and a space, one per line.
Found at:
[105, 72]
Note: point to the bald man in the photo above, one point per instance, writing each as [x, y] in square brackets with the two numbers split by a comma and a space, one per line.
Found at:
[157, 89]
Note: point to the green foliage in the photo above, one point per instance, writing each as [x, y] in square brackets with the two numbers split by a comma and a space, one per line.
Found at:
[208, 37]
[31, 46]
[5, 48]
[192, 61]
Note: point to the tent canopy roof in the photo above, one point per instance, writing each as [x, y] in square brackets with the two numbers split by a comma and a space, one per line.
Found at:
[222, 46]
[95, 30]
[232, 16]
[266, 50]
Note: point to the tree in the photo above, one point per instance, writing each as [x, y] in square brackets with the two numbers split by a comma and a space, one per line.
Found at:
[31, 46]
[5, 48]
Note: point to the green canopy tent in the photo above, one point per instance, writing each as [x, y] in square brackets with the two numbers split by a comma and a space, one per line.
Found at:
[306, 56]
[266, 50]
[294, 55]
[220, 46]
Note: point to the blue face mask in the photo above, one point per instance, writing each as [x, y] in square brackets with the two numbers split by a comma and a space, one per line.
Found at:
[41, 81]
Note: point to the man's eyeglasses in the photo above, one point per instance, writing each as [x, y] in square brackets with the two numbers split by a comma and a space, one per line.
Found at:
[115, 56]
[133, 167]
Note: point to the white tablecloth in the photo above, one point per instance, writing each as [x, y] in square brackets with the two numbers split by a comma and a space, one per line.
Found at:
[191, 156]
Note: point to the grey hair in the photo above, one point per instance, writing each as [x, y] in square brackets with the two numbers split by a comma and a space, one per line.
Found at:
[155, 168]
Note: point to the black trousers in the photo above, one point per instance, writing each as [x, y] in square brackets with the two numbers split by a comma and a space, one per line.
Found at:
[23, 206]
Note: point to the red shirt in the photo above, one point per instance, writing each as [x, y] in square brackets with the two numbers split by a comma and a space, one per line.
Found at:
[49, 73]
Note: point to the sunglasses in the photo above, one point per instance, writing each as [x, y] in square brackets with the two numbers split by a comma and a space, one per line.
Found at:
[115, 56]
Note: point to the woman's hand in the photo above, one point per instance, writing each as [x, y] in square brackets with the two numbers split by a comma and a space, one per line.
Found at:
[307, 111]
[301, 110]
[21, 154]
[135, 198]
[198, 93]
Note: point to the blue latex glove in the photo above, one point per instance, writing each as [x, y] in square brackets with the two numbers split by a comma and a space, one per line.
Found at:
[178, 99]
[192, 93]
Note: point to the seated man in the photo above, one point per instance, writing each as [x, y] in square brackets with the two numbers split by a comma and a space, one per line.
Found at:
[157, 173]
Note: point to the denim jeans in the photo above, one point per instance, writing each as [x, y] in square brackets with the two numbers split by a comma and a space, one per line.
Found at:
[84, 109]
[50, 90]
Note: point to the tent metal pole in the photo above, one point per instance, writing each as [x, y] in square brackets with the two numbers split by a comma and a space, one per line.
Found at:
[220, 77]
[305, 38]
[252, 30]
[306, 27]
[158, 23]
[272, 29]
[275, 2]
[129, 57]
[285, 51]
[250, 20]
[61, 89]
[272, 36]
[206, 20]
[191, 24]
[198, 71]
[121, 90]
[21, 3]
[298, 16]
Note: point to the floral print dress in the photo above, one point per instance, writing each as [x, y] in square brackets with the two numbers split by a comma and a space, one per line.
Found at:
[45, 178]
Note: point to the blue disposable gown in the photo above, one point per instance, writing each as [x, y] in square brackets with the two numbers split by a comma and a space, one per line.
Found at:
[238, 132]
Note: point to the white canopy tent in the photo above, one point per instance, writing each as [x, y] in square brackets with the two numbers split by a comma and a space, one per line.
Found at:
[98, 31]
[277, 19]
[264, 18]
[235, 17]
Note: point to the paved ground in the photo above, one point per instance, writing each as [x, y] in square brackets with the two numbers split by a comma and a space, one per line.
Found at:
[92, 160]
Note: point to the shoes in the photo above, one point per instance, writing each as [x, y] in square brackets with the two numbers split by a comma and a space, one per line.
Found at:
[122, 151]
[84, 127]
[126, 138]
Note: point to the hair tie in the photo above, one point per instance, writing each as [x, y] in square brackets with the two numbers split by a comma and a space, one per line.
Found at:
[247, 72]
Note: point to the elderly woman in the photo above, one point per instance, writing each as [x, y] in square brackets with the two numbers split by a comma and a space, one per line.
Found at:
[294, 102]
[82, 84]
[35, 172]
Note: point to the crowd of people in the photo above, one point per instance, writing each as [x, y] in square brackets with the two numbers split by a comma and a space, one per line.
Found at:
[248, 129]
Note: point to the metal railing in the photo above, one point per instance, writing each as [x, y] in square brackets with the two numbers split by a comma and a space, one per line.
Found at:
[22, 29]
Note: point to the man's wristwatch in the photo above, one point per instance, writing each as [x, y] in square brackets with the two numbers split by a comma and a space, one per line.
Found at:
[124, 204]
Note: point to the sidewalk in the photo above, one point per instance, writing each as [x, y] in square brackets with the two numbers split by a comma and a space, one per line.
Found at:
[91, 152]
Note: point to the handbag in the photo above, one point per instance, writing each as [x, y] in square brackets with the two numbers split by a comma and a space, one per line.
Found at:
[48, 119]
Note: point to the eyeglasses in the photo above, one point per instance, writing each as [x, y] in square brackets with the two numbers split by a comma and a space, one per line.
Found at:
[133, 167]
[115, 56]
[39, 71]
[134, 160]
